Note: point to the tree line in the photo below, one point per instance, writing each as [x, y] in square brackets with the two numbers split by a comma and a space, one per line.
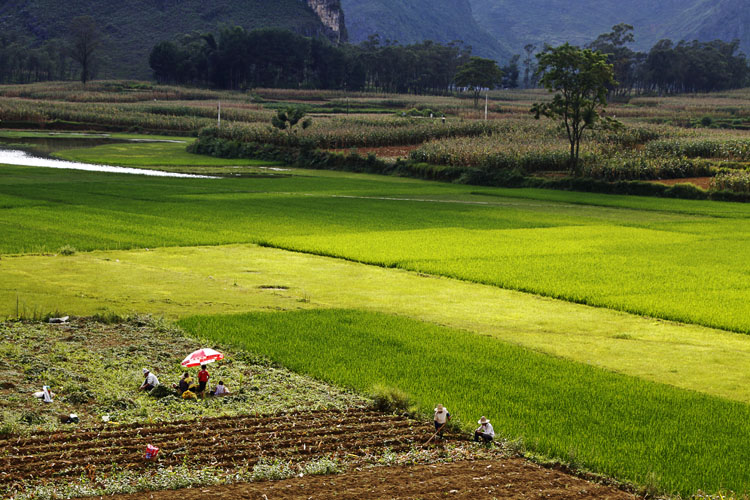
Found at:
[670, 68]
[21, 63]
[239, 59]
[75, 56]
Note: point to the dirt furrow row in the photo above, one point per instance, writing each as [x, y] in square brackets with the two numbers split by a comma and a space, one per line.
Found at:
[183, 426]
[20, 451]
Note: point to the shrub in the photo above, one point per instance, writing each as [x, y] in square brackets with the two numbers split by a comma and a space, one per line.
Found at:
[322, 467]
[390, 399]
[161, 391]
[266, 470]
[737, 181]
[66, 250]
[686, 191]
[78, 395]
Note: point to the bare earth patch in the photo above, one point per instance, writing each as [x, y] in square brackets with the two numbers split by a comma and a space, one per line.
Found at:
[502, 479]
[381, 152]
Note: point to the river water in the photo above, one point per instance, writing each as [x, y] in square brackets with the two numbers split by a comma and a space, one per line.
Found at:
[15, 157]
[43, 146]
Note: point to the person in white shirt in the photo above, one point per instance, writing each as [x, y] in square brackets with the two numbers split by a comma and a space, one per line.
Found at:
[484, 431]
[441, 418]
[221, 389]
[150, 381]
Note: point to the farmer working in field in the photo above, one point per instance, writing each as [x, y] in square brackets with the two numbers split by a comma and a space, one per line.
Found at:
[484, 431]
[203, 377]
[186, 383]
[221, 389]
[150, 381]
[441, 419]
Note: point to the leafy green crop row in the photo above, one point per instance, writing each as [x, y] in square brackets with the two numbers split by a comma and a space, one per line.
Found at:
[618, 425]
[344, 133]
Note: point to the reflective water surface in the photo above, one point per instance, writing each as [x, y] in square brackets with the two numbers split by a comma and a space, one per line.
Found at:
[17, 157]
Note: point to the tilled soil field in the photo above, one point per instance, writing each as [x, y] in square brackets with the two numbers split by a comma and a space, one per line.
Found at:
[222, 442]
[485, 479]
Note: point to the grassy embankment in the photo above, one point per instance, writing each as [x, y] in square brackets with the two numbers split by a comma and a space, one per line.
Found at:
[622, 426]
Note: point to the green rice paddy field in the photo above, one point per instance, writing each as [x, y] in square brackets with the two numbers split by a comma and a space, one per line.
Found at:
[673, 259]
[622, 426]
[665, 259]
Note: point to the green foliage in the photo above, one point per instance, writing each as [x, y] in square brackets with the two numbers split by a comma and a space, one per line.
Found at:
[737, 181]
[66, 250]
[390, 399]
[84, 44]
[161, 391]
[322, 467]
[94, 370]
[555, 405]
[269, 470]
[728, 148]
[290, 117]
[579, 79]
[363, 132]
[478, 74]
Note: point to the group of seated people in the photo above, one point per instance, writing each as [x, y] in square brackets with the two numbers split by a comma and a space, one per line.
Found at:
[189, 389]
[187, 386]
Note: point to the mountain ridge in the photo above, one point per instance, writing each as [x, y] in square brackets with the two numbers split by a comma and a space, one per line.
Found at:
[133, 27]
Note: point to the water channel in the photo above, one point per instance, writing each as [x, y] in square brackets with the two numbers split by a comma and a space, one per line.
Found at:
[34, 151]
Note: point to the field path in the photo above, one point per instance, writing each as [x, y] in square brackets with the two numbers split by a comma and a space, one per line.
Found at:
[469, 480]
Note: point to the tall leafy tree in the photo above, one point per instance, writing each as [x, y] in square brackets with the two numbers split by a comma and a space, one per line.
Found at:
[478, 74]
[287, 119]
[511, 72]
[579, 79]
[85, 41]
[528, 64]
[623, 59]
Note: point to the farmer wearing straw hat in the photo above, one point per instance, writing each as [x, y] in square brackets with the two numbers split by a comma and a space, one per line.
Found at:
[441, 418]
[484, 431]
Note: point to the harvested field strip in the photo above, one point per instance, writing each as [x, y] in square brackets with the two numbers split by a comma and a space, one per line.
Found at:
[307, 420]
[220, 441]
[466, 480]
[134, 443]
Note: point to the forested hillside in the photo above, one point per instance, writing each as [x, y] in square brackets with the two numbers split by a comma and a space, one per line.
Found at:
[500, 28]
[520, 22]
[33, 32]
[417, 20]
[132, 27]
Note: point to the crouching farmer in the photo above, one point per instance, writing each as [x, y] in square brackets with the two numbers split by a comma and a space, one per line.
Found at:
[484, 431]
[149, 381]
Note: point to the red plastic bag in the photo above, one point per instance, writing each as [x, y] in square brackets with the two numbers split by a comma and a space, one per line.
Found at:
[151, 452]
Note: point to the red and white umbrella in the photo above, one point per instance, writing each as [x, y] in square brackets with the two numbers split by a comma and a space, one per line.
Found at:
[201, 357]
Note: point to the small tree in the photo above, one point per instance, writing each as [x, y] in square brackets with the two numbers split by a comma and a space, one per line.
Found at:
[580, 79]
[287, 119]
[478, 74]
[85, 40]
